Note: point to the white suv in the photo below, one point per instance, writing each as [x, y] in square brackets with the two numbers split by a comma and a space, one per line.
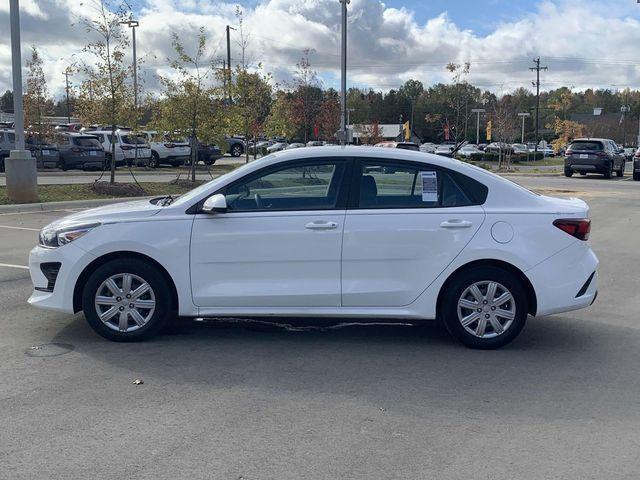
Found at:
[166, 149]
[126, 145]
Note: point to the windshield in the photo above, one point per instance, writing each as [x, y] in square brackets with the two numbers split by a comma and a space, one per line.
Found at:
[131, 139]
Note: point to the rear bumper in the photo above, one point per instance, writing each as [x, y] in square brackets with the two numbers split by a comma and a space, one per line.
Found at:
[566, 281]
[578, 165]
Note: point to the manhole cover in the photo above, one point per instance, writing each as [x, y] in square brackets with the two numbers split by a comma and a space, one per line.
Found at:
[49, 349]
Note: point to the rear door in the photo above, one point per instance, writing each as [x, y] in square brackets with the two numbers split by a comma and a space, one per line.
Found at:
[406, 222]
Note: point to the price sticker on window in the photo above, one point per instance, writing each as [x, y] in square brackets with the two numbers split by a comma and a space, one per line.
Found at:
[429, 186]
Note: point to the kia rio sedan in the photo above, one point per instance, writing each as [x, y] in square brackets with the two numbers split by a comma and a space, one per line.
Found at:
[354, 232]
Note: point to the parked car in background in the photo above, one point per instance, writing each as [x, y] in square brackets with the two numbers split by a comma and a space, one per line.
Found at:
[81, 151]
[260, 147]
[7, 143]
[315, 143]
[126, 144]
[468, 150]
[636, 165]
[167, 149]
[45, 153]
[497, 147]
[208, 153]
[481, 146]
[593, 155]
[68, 127]
[276, 147]
[520, 148]
[428, 147]
[291, 146]
[387, 234]
[400, 145]
[629, 153]
[445, 150]
[235, 146]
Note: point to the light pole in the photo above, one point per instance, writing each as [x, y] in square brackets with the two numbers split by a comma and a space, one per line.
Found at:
[523, 115]
[478, 111]
[133, 24]
[20, 167]
[343, 75]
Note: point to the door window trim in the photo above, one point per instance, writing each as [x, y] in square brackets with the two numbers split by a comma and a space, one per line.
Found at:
[343, 188]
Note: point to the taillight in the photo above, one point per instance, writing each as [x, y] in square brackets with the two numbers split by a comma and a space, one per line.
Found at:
[126, 147]
[76, 150]
[601, 154]
[578, 227]
[169, 145]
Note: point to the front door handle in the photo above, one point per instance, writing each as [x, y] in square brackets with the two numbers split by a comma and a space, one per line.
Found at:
[456, 224]
[321, 225]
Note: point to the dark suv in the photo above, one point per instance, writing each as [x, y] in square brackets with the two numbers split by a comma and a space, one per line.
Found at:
[593, 155]
[636, 165]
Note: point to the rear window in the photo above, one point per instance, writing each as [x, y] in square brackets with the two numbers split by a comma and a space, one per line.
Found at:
[87, 142]
[586, 146]
[408, 146]
[131, 139]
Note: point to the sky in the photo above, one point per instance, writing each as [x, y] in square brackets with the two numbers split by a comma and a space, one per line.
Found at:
[585, 43]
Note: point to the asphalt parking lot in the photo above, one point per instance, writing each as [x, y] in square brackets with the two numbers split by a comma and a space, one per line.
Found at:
[231, 401]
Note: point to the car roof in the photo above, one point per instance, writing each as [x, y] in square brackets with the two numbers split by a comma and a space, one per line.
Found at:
[587, 139]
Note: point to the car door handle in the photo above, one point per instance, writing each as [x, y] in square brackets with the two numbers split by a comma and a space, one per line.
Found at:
[456, 224]
[321, 225]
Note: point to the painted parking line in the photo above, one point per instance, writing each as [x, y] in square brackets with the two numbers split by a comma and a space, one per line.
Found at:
[20, 228]
[9, 265]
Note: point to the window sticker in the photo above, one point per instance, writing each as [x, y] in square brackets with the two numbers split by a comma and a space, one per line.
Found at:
[429, 186]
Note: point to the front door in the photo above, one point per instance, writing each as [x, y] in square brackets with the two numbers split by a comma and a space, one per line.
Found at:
[279, 243]
[408, 222]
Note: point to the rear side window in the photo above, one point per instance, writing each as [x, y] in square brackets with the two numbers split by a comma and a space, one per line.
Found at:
[390, 185]
[87, 142]
[587, 146]
[132, 139]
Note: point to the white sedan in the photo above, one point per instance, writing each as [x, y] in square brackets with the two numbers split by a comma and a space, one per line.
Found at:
[353, 232]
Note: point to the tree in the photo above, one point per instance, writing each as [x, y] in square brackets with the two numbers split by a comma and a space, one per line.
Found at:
[328, 120]
[410, 91]
[105, 94]
[279, 122]
[190, 104]
[369, 133]
[307, 97]
[37, 102]
[6, 101]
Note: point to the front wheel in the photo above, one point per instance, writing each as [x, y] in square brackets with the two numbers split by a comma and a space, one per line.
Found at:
[485, 308]
[154, 161]
[236, 150]
[127, 300]
[620, 173]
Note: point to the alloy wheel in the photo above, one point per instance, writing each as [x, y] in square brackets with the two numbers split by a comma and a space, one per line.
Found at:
[125, 302]
[486, 309]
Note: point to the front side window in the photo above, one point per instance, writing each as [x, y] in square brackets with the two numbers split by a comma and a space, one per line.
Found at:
[387, 185]
[302, 187]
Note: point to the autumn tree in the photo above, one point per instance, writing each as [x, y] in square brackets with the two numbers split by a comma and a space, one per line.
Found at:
[328, 120]
[279, 122]
[37, 102]
[105, 94]
[190, 105]
[307, 97]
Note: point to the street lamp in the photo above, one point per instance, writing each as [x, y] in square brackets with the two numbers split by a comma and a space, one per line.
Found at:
[523, 115]
[343, 74]
[132, 24]
[478, 111]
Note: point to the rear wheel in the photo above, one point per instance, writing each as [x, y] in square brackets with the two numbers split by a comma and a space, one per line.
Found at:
[62, 165]
[609, 172]
[636, 175]
[154, 161]
[620, 172]
[568, 172]
[236, 150]
[127, 300]
[485, 307]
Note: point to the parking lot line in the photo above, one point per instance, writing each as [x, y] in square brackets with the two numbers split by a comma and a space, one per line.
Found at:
[20, 228]
[9, 265]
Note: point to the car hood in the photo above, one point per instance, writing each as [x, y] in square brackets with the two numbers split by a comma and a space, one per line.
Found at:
[113, 213]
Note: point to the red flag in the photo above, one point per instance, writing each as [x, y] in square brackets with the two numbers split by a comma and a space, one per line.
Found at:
[316, 131]
[446, 131]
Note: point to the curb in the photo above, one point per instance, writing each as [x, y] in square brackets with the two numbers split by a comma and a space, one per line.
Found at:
[50, 206]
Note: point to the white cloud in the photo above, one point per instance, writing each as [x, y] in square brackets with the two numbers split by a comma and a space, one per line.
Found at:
[584, 42]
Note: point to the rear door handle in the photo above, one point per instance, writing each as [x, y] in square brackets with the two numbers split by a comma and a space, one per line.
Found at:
[321, 225]
[456, 224]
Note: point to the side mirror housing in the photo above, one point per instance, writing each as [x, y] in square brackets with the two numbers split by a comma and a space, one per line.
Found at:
[215, 204]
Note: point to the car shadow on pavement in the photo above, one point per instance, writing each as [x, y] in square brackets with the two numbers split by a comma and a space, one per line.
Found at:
[551, 370]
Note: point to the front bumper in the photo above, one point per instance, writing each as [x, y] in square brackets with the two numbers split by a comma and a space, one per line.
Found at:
[566, 281]
[72, 261]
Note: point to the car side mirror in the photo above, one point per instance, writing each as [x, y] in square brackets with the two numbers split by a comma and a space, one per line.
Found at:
[215, 204]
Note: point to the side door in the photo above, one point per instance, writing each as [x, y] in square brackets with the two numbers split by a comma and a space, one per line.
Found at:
[405, 223]
[278, 244]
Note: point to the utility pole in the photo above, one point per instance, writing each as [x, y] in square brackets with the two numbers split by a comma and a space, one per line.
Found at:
[66, 74]
[478, 111]
[343, 75]
[523, 115]
[537, 69]
[229, 28]
[133, 24]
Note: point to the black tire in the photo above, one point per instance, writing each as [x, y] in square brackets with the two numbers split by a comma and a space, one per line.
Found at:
[236, 150]
[62, 165]
[636, 175]
[609, 172]
[154, 161]
[164, 309]
[454, 291]
[620, 173]
[2, 164]
[568, 172]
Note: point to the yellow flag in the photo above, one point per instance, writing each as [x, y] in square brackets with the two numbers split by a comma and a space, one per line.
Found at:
[489, 131]
[407, 130]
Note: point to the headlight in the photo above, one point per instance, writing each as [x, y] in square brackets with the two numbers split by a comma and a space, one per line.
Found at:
[53, 238]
